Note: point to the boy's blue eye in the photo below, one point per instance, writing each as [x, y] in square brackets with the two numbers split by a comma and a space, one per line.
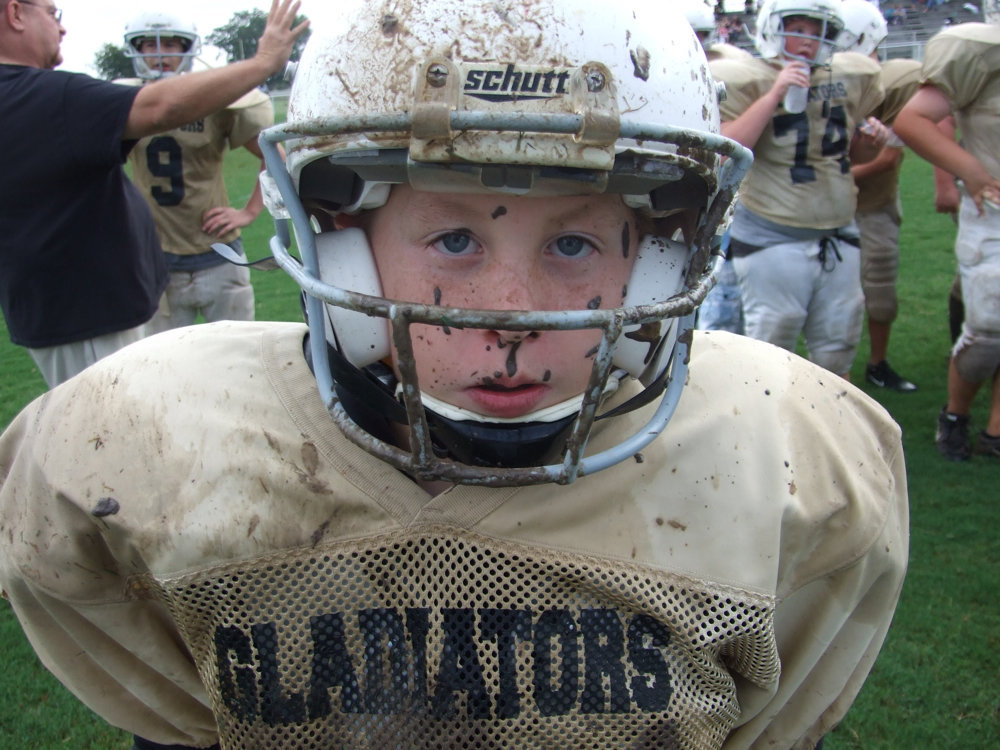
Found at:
[571, 246]
[455, 243]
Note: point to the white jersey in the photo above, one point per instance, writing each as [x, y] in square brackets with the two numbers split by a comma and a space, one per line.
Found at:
[801, 172]
[197, 551]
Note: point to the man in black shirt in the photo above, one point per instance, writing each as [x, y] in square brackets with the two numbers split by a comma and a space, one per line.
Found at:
[81, 268]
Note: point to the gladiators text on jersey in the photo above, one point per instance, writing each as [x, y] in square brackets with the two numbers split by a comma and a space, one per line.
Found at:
[593, 662]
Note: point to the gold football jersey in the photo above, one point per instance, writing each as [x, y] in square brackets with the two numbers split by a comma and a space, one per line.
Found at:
[179, 173]
[801, 172]
[964, 62]
[238, 570]
[900, 79]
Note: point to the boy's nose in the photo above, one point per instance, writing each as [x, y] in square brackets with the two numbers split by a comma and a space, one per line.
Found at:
[511, 288]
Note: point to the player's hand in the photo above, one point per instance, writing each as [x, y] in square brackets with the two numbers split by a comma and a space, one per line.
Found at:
[874, 133]
[279, 37]
[795, 73]
[984, 191]
[222, 219]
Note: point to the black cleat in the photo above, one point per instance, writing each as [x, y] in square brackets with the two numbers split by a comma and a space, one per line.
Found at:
[884, 376]
[952, 435]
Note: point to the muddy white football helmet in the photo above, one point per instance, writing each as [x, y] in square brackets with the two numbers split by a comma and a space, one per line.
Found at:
[865, 27]
[156, 25]
[554, 97]
[770, 36]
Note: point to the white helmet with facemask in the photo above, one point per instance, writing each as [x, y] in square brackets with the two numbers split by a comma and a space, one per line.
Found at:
[557, 97]
[865, 28]
[158, 26]
[702, 19]
[771, 33]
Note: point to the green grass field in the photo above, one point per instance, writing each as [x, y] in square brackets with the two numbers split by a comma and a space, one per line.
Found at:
[935, 683]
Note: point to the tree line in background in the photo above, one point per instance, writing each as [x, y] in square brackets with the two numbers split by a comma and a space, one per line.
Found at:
[238, 38]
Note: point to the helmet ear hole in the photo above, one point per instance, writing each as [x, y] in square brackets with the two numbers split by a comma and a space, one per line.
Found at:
[345, 260]
[657, 275]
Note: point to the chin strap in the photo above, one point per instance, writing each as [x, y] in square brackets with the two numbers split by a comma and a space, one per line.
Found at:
[368, 398]
[500, 445]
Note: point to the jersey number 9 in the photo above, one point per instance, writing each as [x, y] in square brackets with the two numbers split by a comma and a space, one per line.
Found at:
[171, 167]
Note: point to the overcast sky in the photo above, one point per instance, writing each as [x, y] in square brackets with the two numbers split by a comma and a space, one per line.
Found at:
[90, 24]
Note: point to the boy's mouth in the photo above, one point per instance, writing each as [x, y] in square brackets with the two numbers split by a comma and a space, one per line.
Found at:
[507, 401]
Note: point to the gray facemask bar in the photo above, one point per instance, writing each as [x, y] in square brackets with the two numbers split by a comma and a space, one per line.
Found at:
[421, 460]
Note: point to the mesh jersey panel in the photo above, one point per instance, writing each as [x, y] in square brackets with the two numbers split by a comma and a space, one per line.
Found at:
[436, 637]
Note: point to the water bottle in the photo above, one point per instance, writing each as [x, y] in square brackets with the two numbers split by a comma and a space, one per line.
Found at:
[796, 99]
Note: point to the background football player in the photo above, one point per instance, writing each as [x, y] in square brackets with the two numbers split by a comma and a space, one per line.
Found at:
[879, 212]
[960, 77]
[179, 173]
[504, 217]
[794, 242]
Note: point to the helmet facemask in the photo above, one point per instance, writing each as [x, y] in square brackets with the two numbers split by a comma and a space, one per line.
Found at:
[498, 128]
[159, 27]
[772, 34]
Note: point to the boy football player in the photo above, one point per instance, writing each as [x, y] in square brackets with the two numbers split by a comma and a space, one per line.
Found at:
[793, 238]
[179, 173]
[959, 77]
[879, 212]
[442, 514]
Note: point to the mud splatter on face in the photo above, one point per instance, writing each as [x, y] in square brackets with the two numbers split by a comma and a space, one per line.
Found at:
[498, 375]
[624, 291]
[592, 353]
[437, 301]
[499, 211]
[594, 303]
[512, 359]
[626, 240]
[547, 376]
